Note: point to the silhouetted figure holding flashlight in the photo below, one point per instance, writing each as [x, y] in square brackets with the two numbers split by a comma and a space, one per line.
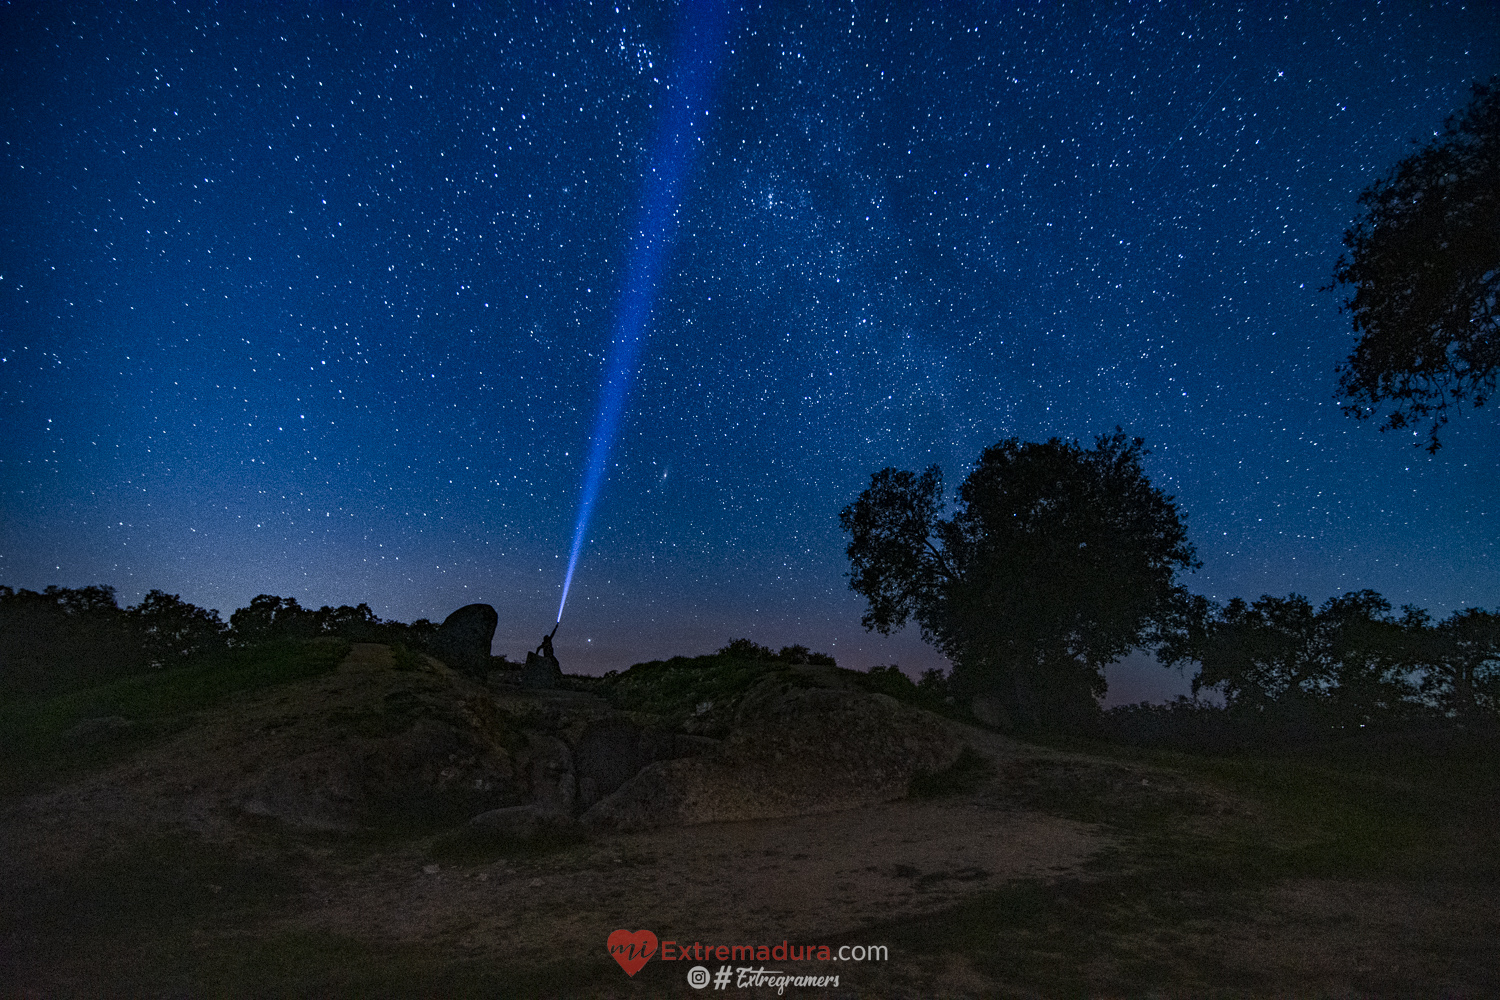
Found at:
[545, 649]
[542, 669]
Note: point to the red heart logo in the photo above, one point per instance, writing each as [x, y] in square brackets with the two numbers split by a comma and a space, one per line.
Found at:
[632, 950]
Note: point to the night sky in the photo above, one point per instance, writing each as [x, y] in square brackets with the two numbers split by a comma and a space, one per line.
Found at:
[317, 299]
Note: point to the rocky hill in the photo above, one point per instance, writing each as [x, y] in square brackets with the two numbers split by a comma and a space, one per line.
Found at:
[388, 741]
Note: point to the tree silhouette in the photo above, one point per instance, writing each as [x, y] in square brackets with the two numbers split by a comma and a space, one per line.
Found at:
[1463, 674]
[1056, 561]
[172, 630]
[357, 623]
[268, 618]
[62, 637]
[1424, 266]
[1349, 662]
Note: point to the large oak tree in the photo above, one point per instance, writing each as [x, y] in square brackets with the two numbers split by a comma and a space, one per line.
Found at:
[1057, 560]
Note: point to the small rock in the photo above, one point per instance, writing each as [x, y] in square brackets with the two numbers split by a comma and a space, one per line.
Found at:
[520, 822]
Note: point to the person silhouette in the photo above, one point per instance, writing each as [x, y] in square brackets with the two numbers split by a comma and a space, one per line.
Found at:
[545, 649]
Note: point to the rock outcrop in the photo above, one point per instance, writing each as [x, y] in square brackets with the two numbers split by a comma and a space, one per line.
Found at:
[463, 640]
[612, 751]
[381, 744]
[793, 751]
[371, 745]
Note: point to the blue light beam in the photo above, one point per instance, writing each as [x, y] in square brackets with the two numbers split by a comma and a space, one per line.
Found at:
[700, 43]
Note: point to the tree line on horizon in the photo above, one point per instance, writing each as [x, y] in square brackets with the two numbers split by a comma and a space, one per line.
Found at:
[64, 637]
[1060, 559]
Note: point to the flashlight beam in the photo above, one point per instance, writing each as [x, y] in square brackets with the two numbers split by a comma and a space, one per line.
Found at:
[701, 41]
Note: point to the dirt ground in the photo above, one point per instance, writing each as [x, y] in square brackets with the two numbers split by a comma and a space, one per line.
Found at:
[807, 879]
[1065, 873]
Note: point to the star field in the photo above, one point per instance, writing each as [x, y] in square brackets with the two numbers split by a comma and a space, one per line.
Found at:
[316, 299]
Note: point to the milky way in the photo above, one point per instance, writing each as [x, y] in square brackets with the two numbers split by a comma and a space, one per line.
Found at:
[318, 300]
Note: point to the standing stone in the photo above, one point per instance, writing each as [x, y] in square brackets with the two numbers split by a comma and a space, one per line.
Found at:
[541, 671]
[463, 640]
[611, 751]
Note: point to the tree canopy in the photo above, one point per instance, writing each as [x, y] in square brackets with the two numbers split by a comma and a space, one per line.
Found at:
[172, 630]
[1463, 665]
[1423, 264]
[1056, 561]
[1348, 662]
[66, 637]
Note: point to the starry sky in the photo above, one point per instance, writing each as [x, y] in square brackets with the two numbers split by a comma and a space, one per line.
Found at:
[316, 299]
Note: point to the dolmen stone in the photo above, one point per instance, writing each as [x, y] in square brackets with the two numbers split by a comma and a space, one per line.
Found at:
[463, 640]
[541, 672]
[611, 751]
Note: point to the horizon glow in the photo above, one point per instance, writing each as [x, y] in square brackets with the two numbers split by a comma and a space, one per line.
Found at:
[702, 33]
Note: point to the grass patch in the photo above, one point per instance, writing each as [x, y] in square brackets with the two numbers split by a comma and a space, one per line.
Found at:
[699, 692]
[330, 966]
[1191, 900]
[1355, 808]
[404, 658]
[163, 884]
[36, 732]
[1400, 817]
